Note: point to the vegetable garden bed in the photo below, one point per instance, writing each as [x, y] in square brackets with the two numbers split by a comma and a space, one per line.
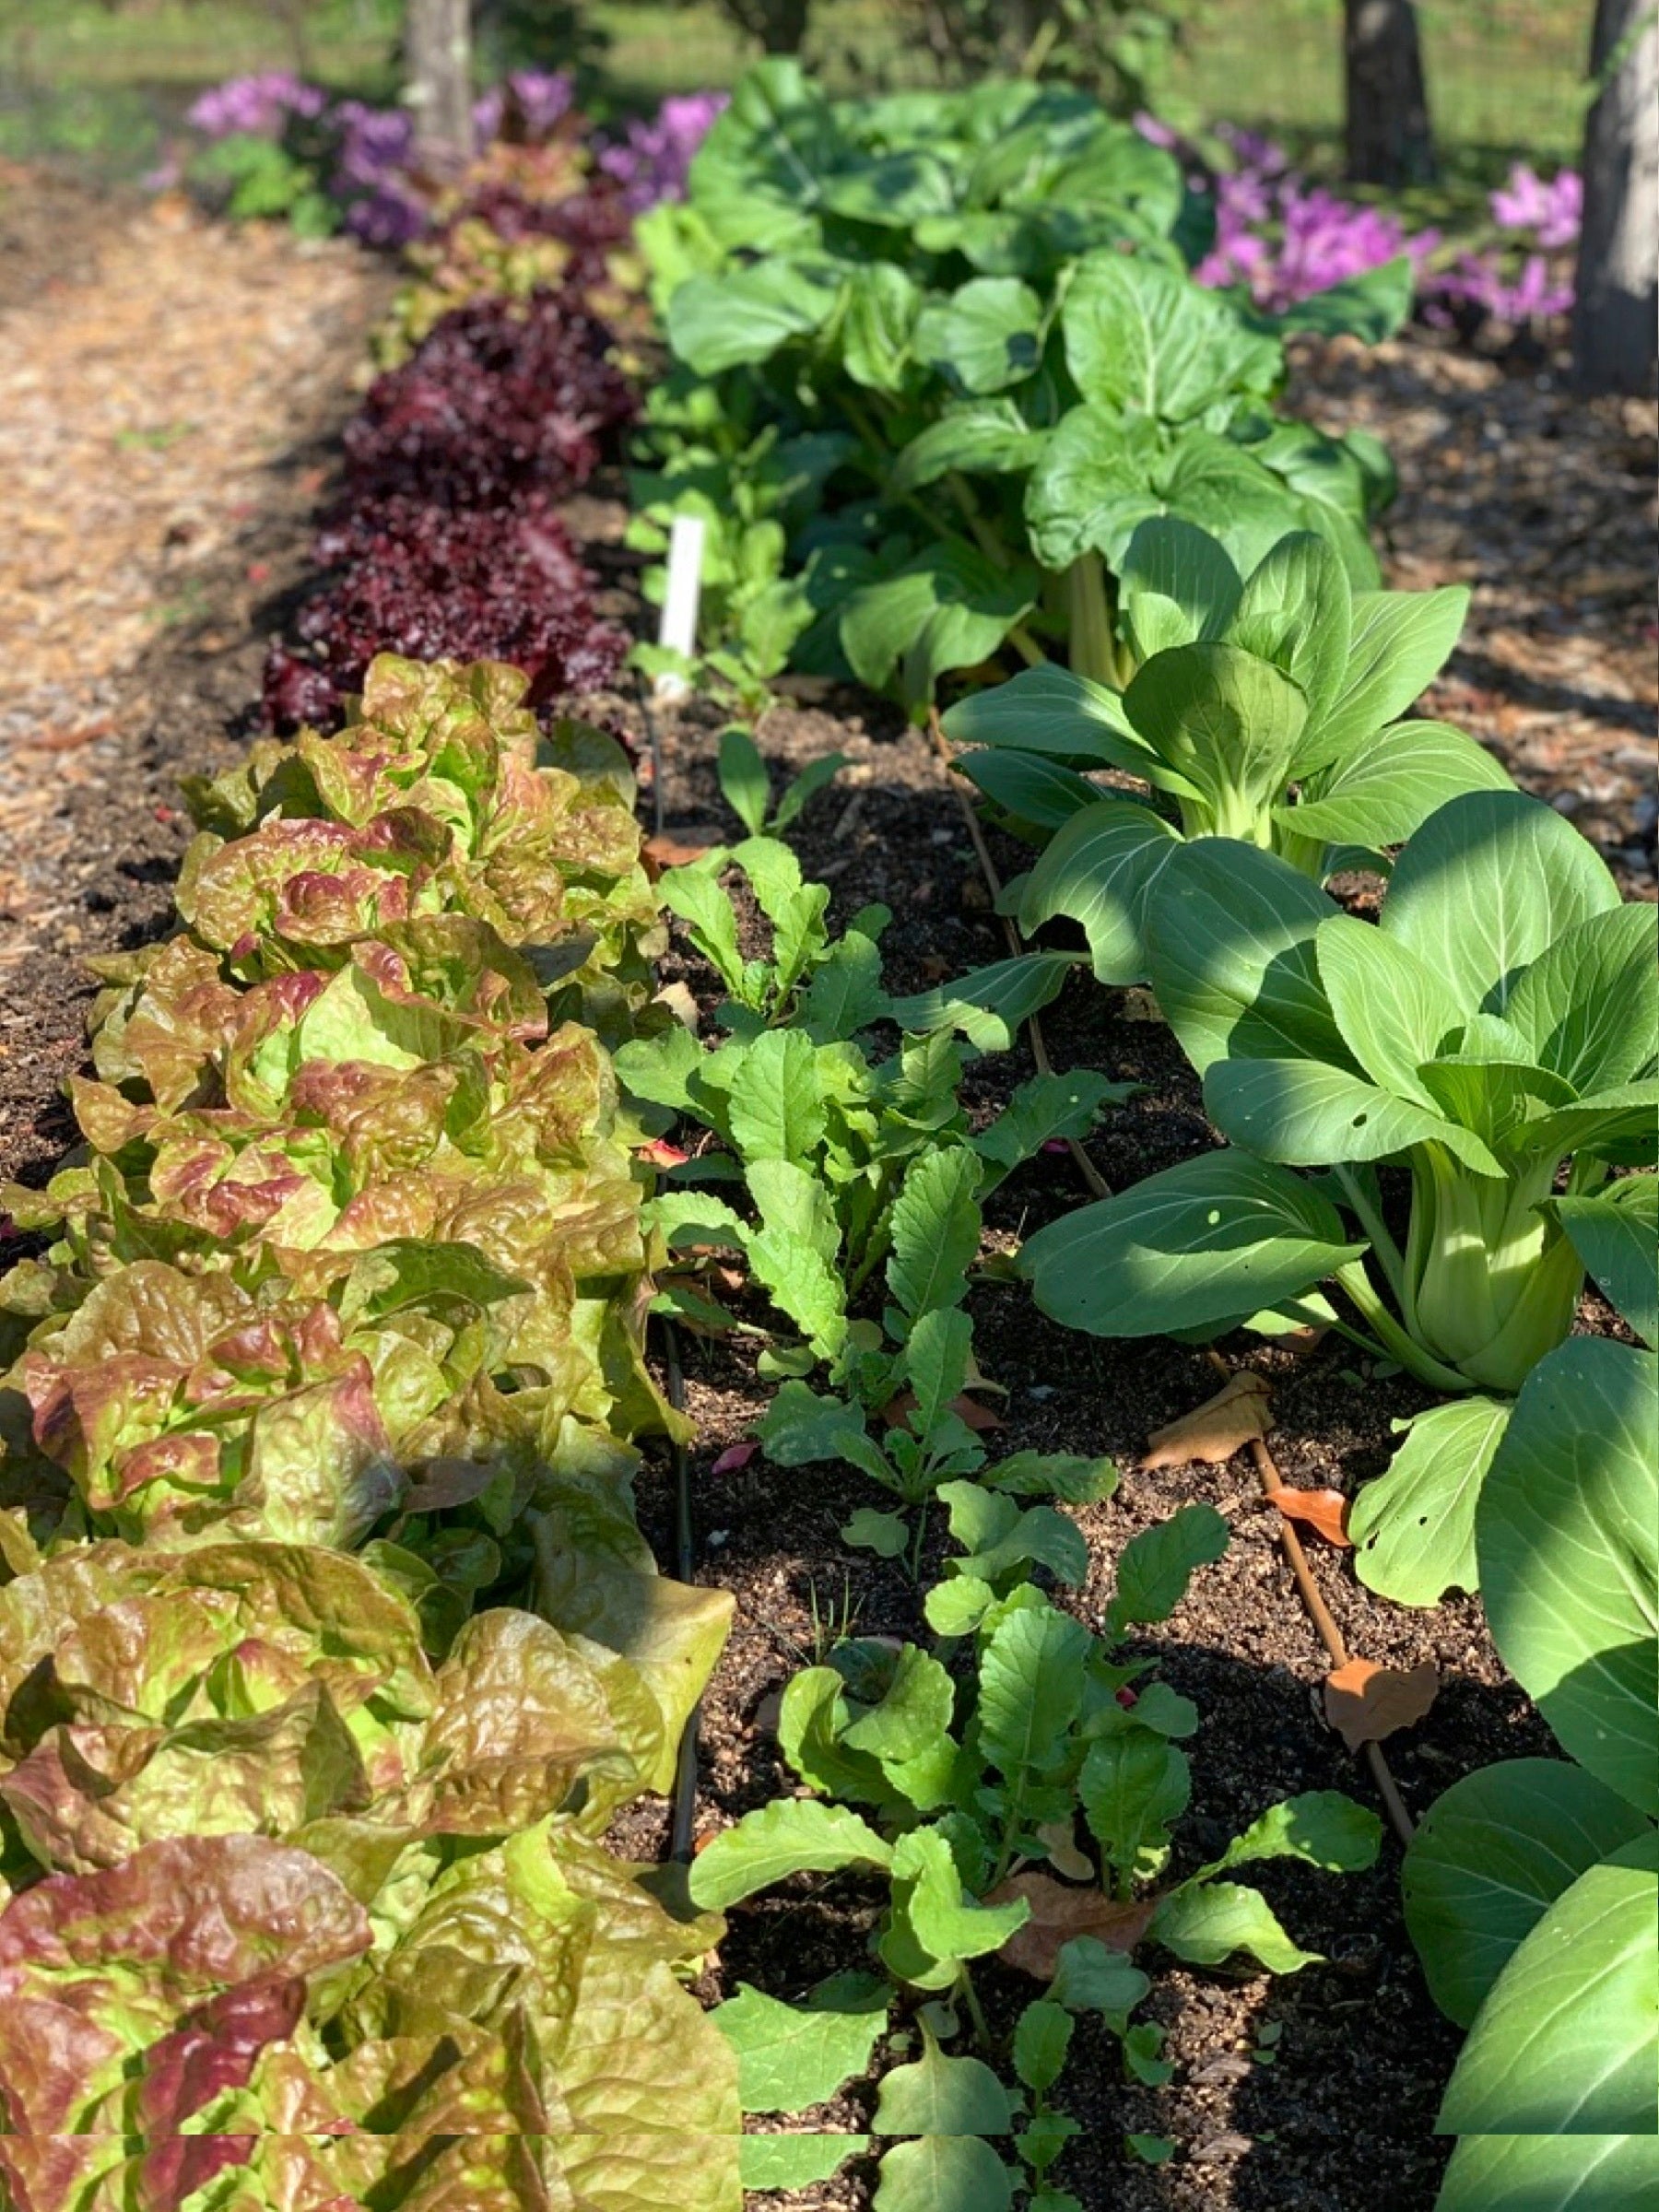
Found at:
[335, 1381]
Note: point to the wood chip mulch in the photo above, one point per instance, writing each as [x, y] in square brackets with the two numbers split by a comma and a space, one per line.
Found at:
[157, 375]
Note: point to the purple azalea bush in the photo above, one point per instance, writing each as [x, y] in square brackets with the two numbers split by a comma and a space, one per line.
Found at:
[372, 174]
[651, 161]
[259, 105]
[1281, 238]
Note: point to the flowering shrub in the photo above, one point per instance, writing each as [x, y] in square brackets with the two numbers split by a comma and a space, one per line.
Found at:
[360, 159]
[1282, 239]
[653, 160]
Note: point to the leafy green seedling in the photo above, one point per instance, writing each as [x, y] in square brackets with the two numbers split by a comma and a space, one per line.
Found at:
[745, 784]
[963, 1781]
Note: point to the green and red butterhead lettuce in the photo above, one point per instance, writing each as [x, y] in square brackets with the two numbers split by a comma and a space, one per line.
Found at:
[440, 796]
[305, 1757]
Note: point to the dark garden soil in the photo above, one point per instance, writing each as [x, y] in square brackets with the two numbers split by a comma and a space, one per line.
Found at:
[1314, 2093]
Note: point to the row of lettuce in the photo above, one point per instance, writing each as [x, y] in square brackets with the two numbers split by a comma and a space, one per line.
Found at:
[330, 1644]
[944, 389]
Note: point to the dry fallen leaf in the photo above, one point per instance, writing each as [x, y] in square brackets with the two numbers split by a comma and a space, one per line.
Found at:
[1059, 1913]
[896, 1413]
[680, 1004]
[1325, 1510]
[660, 853]
[1364, 1703]
[661, 1154]
[1240, 1412]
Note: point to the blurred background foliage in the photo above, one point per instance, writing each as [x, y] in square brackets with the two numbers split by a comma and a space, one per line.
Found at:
[104, 81]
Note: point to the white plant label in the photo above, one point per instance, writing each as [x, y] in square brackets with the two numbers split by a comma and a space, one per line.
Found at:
[678, 628]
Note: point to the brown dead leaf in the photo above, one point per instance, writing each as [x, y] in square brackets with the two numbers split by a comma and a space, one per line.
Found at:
[680, 1004]
[1240, 1412]
[665, 851]
[1323, 1510]
[1059, 1912]
[1364, 1703]
[896, 1413]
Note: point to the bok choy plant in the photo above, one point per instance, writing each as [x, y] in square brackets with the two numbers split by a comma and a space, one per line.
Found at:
[1262, 707]
[935, 358]
[1494, 1035]
[1532, 1887]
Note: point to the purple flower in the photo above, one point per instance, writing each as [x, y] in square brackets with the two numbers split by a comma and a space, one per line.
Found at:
[375, 144]
[1553, 211]
[386, 217]
[652, 162]
[1154, 132]
[544, 97]
[259, 105]
[1282, 240]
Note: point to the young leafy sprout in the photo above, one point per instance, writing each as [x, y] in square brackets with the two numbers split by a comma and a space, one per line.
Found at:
[971, 1764]
[852, 1163]
[1493, 1032]
[1262, 707]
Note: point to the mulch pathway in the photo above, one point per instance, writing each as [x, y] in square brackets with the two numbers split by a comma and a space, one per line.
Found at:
[169, 392]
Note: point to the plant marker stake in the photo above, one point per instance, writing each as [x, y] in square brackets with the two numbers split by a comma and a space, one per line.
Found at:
[1324, 1624]
[677, 629]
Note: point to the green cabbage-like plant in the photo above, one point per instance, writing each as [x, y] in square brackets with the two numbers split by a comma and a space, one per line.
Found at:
[955, 358]
[1532, 1887]
[1492, 1031]
[1262, 707]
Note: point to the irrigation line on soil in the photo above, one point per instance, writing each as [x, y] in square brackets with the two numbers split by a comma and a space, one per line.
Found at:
[1296, 1559]
[685, 1770]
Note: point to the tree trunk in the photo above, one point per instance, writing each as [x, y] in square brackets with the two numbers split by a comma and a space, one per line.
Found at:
[1389, 138]
[437, 56]
[1615, 317]
[783, 28]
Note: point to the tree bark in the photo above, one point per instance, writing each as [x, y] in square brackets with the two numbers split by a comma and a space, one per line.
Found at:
[1616, 316]
[438, 56]
[1389, 137]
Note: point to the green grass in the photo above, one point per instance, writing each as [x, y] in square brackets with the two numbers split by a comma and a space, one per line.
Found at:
[103, 88]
